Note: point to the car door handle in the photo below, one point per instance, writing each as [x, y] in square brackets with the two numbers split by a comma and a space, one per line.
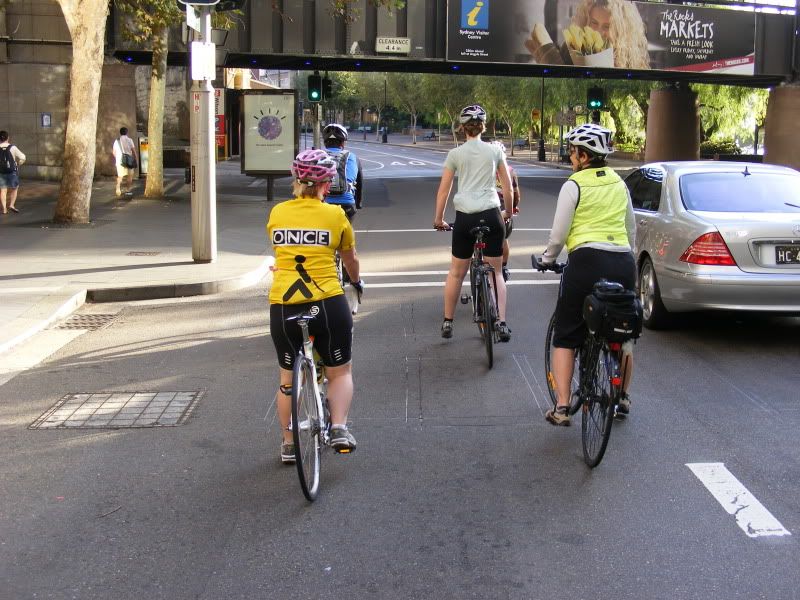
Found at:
[642, 221]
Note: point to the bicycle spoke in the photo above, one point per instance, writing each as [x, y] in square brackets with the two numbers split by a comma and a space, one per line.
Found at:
[598, 409]
[306, 427]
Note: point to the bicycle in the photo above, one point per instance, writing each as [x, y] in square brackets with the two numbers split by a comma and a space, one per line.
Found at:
[598, 376]
[310, 415]
[482, 293]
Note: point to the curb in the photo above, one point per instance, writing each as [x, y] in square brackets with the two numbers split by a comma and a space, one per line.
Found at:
[180, 290]
[75, 299]
[63, 309]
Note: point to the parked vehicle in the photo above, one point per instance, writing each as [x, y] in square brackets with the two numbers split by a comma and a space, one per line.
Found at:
[716, 235]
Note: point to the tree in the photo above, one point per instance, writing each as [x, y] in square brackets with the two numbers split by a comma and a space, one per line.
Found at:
[373, 90]
[449, 93]
[405, 89]
[86, 21]
[508, 99]
[148, 25]
[730, 111]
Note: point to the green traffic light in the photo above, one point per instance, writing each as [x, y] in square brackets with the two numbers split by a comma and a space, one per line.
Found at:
[314, 95]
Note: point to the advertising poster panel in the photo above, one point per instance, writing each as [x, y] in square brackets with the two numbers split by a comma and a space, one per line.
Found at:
[269, 131]
[602, 34]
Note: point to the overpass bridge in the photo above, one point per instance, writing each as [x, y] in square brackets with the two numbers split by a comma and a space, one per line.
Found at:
[720, 41]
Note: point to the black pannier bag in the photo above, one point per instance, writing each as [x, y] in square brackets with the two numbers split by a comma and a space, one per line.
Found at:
[613, 312]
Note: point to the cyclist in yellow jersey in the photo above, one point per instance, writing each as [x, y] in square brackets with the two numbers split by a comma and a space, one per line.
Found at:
[595, 221]
[305, 234]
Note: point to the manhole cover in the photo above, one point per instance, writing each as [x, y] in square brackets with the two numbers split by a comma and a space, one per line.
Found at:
[88, 322]
[142, 253]
[119, 410]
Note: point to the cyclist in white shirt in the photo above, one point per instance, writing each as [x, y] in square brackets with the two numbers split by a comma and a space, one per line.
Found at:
[477, 165]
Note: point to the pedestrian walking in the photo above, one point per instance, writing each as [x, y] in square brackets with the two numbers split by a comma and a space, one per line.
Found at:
[10, 159]
[124, 152]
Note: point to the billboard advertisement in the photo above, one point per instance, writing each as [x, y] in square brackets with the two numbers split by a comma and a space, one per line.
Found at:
[269, 131]
[602, 34]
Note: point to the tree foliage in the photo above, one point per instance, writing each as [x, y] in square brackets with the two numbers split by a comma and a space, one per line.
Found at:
[730, 112]
[409, 95]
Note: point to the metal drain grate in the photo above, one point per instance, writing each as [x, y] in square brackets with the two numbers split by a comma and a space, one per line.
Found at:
[142, 253]
[87, 322]
[117, 410]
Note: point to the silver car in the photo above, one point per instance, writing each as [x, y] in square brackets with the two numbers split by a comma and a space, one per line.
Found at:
[716, 235]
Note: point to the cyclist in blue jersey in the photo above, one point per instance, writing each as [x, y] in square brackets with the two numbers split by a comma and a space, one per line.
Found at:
[346, 187]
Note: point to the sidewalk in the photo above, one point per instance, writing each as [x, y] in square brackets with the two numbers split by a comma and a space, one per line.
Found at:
[134, 249]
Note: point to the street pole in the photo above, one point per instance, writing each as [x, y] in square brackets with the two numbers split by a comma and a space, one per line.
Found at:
[203, 176]
[542, 156]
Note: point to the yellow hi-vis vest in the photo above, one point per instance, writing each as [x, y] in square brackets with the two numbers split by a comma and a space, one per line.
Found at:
[601, 210]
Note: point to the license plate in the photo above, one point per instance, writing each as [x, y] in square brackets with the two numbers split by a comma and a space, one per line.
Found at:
[787, 255]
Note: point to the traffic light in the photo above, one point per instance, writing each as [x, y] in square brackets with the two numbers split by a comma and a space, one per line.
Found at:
[595, 98]
[327, 88]
[314, 88]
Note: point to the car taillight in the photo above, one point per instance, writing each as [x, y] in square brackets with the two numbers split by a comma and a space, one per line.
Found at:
[709, 249]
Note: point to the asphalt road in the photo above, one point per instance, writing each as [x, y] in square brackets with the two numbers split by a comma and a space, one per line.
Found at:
[459, 488]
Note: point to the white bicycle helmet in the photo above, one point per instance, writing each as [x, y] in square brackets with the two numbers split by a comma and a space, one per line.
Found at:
[334, 131]
[472, 112]
[592, 138]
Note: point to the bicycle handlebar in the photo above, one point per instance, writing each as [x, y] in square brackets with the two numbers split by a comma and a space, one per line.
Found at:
[555, 267]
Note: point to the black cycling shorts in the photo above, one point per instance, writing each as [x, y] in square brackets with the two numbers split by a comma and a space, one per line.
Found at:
[586, 266]
[464, 241]
[332, 329]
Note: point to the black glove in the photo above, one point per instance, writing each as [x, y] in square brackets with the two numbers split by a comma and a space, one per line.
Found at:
[539, 265]
[358, 286]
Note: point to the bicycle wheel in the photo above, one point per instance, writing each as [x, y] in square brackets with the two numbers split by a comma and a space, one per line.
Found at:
[487, 318]
[306, 427]
[574, 397]
[598, 406]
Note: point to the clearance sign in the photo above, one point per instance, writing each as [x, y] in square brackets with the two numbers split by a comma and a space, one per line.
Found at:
[612, 34]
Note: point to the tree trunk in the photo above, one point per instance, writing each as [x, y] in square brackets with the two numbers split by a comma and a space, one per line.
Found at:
[511, 136]
[154, 187]
[86, 21]
[413, 128]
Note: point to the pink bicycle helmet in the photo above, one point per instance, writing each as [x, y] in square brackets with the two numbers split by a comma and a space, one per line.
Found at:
[313, 166]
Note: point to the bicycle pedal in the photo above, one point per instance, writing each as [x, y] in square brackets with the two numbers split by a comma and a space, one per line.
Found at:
[465, 299]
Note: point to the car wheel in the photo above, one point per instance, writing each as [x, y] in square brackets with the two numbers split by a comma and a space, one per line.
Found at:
[655, 315]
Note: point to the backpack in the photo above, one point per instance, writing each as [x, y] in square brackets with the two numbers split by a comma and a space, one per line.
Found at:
[339, 184]
[7, 162]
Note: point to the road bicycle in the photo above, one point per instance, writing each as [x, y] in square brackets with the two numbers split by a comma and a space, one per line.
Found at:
[483, 293]
[598, 376]
[310, 415]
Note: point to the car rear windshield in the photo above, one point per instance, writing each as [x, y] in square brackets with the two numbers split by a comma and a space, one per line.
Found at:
[741, 192]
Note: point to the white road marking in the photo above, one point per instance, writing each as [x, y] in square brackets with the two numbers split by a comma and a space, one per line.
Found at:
[751, 516]
[374, 161]
[370, 150]
[397, 163]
